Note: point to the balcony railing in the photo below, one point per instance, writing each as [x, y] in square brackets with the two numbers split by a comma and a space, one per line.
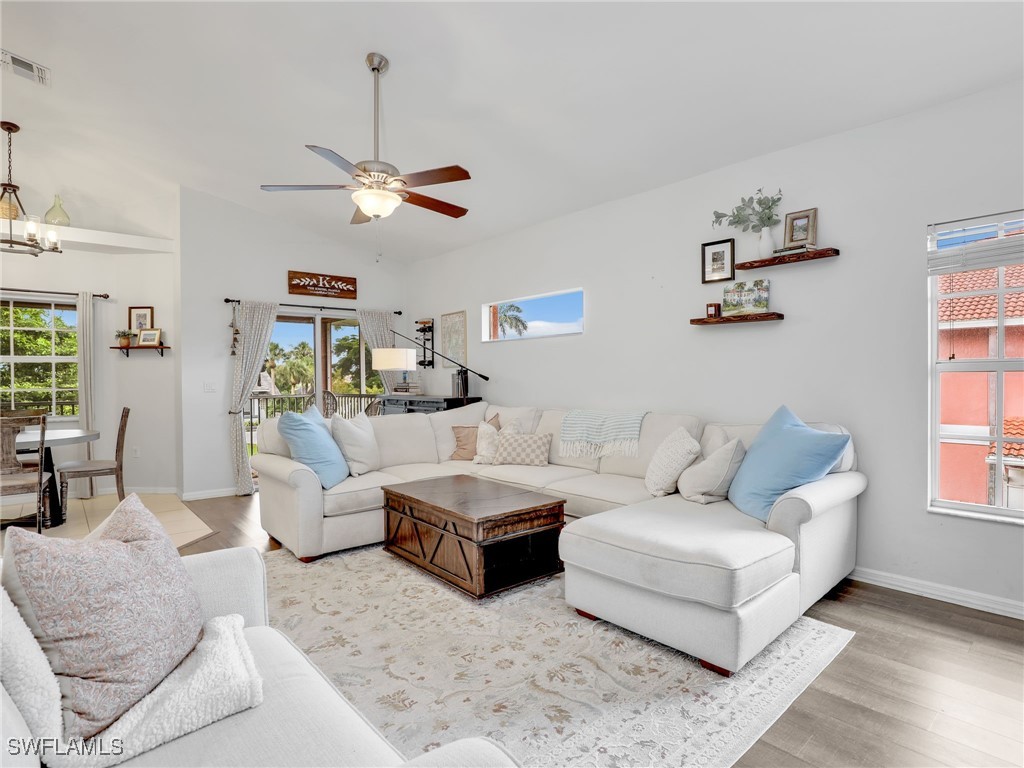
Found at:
[267, 406]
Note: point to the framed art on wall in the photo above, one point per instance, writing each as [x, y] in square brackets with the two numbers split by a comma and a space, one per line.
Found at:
[453, 338]
[801, 228]
[718, 261]
[140, 317]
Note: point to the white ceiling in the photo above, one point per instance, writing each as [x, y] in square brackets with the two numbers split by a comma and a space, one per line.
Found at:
[551, 107]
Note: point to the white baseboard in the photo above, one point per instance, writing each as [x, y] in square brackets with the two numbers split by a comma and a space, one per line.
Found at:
[101, 491]
[943, 592]
[215, 493]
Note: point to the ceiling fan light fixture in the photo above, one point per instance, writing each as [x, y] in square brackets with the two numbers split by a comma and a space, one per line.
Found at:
[376, 203]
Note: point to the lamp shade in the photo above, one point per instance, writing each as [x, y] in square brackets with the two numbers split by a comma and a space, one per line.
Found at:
[393, 359]
[376, 203]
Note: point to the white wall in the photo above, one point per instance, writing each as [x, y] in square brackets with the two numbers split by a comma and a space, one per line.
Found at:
[144, 382]
[852, 348]
[232, 252]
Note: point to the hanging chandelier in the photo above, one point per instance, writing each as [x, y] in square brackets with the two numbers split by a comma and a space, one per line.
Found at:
[35, 239]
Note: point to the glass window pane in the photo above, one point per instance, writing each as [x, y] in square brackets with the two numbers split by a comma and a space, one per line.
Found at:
[5, 314]
[32, 316]
[345, 367]
[290, 365]
[552, 314]
[976, 280]
[67, 403]
[33, 375]
[964, 473]
[5, 375]
[966, 402]
[32, 398]
[967, 328]
[65, 317]
[33, 343]
[66, 375]
[5, 342]
[1013, 474]
[67, 344]
[1013, 399]
[1013, 277]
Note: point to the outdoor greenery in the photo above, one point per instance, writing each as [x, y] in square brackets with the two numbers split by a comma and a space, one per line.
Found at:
[293, 370]
[39, 331]
[754, 213]
[510, 318]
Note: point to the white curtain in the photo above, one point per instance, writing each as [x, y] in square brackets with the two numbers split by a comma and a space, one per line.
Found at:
[256, 323]
[86, 403]
[375, 325]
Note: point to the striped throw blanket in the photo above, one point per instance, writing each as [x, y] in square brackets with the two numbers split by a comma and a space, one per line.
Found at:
[592, 434]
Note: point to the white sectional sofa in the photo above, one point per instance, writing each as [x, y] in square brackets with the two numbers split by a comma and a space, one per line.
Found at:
[706, 579]
[303, 720]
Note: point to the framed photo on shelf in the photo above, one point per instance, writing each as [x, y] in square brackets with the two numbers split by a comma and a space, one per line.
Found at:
[149, 337]
[801, 228]
[718, 261]
[140, 318]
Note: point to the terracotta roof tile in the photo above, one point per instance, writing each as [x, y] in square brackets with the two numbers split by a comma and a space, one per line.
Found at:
[976, 280]
[979, 307]
[1013, 428]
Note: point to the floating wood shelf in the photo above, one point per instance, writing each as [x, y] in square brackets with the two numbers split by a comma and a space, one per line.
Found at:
[821, 253]
[126, 350]
[758, 317]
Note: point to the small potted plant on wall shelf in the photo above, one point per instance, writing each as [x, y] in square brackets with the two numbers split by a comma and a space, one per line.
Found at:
[124, 338]
[755, 214]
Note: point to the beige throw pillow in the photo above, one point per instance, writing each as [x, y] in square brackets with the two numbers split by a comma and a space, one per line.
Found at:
[709, 480]
[466, 438]
[676, 453]
[114, 613]
[358, 443]
[487, 440]
[527, 450]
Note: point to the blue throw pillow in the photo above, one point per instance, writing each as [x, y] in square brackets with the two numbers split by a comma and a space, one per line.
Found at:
[785, 454]
[313, 446]
[313, 414]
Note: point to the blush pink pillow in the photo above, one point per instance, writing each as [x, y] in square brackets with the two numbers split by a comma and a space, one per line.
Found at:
[114, 613]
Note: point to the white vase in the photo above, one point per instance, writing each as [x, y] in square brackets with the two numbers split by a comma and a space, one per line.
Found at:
[765, 244]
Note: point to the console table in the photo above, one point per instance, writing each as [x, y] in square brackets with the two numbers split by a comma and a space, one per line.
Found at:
[423, 403]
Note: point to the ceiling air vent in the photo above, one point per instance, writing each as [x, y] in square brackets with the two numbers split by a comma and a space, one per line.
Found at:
[22, 67]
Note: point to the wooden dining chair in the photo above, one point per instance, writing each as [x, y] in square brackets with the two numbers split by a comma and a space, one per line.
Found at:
[16, 479]
[74, 470]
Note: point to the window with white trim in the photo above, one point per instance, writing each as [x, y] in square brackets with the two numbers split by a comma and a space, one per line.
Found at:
[976, 350]
[39, 356]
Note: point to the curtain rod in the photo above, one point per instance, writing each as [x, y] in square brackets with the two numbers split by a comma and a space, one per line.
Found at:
[310, 306]
[54, 293]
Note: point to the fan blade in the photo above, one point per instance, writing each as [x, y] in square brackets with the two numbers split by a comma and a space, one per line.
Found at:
[335, 159]
[433, 204]
[434, 176]
[359, 217]
[302, 187]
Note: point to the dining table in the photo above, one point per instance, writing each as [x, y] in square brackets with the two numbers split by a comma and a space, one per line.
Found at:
[29, 440]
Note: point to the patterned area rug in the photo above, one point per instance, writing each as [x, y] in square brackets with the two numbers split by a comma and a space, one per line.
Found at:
[428, 665]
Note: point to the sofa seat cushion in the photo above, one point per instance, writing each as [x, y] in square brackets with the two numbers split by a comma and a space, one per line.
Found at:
[712, 554]
[530, 477]
[357, 494]
[410, 472]
[297, 699]
[464, 467]
[620, 490]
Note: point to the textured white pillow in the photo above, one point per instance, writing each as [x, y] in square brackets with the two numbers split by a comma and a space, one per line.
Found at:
[709, 481]
[357, 442]
[487, 440]
[26, 675]
[676, 453]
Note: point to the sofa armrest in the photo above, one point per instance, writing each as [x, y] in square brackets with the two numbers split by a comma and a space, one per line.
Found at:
[285, 470]
[798, 506]
[465, 753]
[230, 581]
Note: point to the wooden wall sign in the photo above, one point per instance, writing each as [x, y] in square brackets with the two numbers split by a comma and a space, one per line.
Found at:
[327, 286]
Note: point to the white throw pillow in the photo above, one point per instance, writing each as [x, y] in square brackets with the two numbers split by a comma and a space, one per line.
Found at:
[487, 440]
[709, 480]
[358, 443]
[676, 453]
[26, 674]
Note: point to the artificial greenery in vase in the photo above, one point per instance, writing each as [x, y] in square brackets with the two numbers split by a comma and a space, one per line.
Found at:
[124, 338]
[754, 213]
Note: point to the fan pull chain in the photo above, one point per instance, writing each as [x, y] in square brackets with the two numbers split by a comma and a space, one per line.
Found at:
[380, 239]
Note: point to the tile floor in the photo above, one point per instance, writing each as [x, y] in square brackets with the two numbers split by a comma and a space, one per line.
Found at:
[181, 523]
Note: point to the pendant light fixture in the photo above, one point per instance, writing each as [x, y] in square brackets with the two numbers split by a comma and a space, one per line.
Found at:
[37, 237]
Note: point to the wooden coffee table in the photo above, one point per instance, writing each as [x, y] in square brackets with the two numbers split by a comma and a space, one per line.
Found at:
[477, 535]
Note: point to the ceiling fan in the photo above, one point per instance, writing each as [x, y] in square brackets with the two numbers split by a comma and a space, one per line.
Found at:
[380, 188]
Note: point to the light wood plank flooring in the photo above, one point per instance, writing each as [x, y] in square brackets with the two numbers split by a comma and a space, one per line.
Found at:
[923, 683]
